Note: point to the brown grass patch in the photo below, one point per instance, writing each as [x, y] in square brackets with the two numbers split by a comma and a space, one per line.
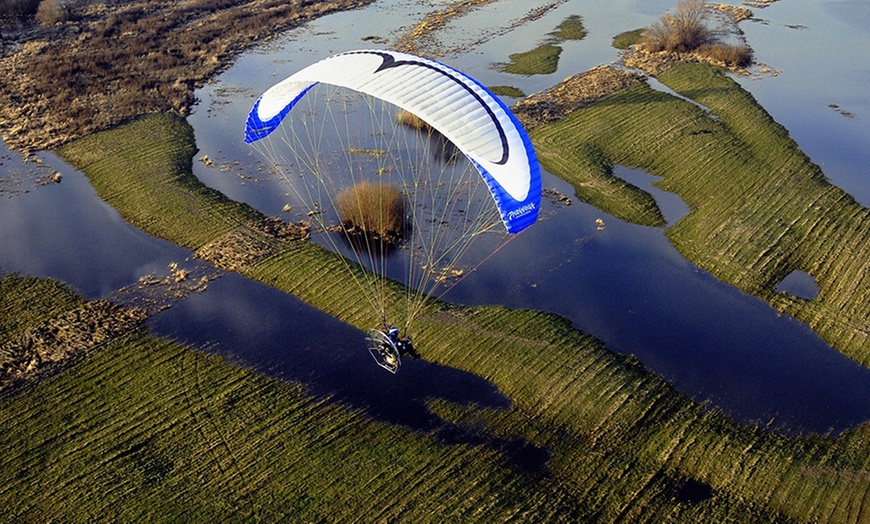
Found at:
[64, 339]
[726, 54]
[572, 94]
[373, 209]
[409, 119]
[111, 62]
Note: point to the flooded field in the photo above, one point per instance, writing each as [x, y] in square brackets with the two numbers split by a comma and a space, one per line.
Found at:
[625, 285]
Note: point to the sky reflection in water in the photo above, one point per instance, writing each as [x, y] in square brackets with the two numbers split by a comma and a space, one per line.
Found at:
[625, 285]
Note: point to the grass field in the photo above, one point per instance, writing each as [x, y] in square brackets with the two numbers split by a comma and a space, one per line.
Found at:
[29, 301]
[146, 429]
[760, 208]
[623, 445]
[542, 60]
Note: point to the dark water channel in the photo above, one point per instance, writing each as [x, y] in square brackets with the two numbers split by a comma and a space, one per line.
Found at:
[626, 284]
[65, 231]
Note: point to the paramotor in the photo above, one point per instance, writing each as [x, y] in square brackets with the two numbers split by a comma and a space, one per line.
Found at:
[390, 198]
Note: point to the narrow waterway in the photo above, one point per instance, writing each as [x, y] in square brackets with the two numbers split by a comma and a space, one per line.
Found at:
[64, 231]
[625, 284]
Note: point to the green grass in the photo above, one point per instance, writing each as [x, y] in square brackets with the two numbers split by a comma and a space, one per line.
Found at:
[590, 172]
[627, 39]
[784, 215]
[146, 429]
[760, 208]
[622, 441]
[542, 60]
[25, 301]
[143, 169]
[508, 91]
[571, 28]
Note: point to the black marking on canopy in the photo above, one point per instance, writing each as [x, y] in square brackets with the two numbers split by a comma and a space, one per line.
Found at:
[390, 62]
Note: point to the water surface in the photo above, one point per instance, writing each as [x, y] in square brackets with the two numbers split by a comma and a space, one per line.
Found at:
[625, 284]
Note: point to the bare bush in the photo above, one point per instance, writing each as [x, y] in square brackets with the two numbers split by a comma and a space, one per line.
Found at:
[51, 12]
[374, 209]
[681, 32]
[729, 55]
[413, 121]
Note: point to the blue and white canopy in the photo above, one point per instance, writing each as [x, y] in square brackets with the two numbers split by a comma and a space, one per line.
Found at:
[460, 108]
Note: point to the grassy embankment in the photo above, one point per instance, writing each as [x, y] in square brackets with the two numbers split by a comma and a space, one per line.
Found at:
[623, 444]
[147, 429]
[29, 302]
[760, 208]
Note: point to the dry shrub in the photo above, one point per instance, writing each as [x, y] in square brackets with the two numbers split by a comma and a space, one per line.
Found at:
[681, 32]
[51, 12]
[442, 148]
[406, 118]
[730, 55]
[373, 209]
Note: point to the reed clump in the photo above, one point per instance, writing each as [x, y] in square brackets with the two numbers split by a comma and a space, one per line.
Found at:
[730, 55]
[373, 209]
[687, 31]
[409, 119]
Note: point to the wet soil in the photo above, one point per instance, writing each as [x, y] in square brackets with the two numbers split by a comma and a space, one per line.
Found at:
[64, 339]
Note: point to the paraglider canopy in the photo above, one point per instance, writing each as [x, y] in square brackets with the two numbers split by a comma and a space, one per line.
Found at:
[457, 106]
[384, 196]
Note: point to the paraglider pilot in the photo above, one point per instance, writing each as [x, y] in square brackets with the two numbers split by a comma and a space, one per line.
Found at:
[403, 344]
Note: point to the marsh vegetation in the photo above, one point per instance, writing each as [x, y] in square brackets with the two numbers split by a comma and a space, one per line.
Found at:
[740, 164]
[544, 59]
[687, 31]
[171, 404]
[192, 436]
[373, 209]
[609, 413]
